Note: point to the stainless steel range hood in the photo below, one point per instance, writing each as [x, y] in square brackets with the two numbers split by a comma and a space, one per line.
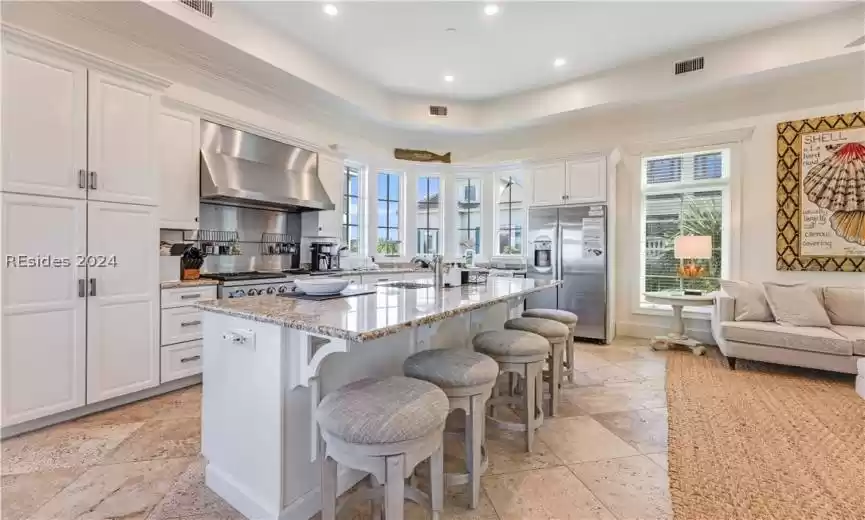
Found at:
[242, 169]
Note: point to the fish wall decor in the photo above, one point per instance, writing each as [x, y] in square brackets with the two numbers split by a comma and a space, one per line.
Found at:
[421, 156]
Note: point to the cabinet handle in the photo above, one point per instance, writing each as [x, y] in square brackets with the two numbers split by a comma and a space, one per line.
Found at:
[82, 179]
[92, 180]
[82, 287]
[190, 296]
[190, 358]
[190, 323]
[93, 287]
[382, 279]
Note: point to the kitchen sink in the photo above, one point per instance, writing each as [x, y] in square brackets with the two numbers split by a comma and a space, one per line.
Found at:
[406, 285]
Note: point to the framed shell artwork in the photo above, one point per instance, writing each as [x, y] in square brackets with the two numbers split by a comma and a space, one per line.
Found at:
[821, 194]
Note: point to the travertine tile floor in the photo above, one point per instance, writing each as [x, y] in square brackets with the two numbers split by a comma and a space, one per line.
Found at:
[604, 457]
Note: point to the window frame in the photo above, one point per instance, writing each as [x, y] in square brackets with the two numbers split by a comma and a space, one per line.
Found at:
[439, 231]
[389, 201]
[499, 177]
[477, 182]
[724, 184]
[346, 200]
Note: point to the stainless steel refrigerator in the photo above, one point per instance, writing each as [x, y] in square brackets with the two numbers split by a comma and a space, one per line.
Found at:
[570, 244]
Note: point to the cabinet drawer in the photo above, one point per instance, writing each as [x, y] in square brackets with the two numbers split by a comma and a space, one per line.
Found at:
[181, 360]
[381, 278]
[180, 324]
[187, 295]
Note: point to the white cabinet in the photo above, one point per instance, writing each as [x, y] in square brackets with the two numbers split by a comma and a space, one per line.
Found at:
[44, 124]
[331, 172]
[586, 181]
[421, 275]
[572, 182]
[122, 140]
[123, 302]
[179, 150]
[180, 355]
[44, 314]
[181, 360]
[548, 184]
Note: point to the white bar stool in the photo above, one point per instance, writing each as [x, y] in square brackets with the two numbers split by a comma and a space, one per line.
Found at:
[556, 334]
[467, 378]
[568, 318]
[385, 427]
[523, 354]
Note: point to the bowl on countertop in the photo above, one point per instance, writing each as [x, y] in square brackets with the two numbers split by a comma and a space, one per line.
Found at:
[319, 286]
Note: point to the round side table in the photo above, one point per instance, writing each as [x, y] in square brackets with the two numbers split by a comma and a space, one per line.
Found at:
[677, 338]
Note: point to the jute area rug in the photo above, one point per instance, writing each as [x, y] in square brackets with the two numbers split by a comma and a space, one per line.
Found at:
[763, 441]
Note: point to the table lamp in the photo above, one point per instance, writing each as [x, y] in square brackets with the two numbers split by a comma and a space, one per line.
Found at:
[689, 248]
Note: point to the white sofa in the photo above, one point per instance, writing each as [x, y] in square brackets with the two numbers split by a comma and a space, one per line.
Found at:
[836, 348]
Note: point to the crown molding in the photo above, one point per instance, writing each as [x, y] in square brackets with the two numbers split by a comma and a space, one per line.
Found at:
[724, 137]
[16, 35]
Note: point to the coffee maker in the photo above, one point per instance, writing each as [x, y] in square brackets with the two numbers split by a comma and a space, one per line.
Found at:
[324, 256]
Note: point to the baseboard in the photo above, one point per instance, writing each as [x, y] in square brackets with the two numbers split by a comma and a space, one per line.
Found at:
[68, 415]
[642, 330]
[233, 493]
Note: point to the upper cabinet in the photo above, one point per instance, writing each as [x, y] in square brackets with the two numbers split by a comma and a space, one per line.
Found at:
[44, 124]
[122, 141]
[77, 128]
[179, 139]
[331, 172]
[586, 181]
[572, 182]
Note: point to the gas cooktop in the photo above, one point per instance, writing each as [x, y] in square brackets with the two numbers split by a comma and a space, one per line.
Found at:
[241, 276]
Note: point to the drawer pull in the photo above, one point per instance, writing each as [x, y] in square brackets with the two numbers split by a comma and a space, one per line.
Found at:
[190, 358]
[190, 296]
[382, 279]
[190, 323]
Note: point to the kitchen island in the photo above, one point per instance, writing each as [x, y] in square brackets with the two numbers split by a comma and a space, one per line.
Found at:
[268, 361]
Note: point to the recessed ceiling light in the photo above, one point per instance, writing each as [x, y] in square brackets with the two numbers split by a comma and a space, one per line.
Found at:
[491, 9]
[559, 62]
[449, 78]
[330, 9]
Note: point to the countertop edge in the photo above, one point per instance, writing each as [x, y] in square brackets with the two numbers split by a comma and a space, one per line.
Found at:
[335, 332]
[180, 284]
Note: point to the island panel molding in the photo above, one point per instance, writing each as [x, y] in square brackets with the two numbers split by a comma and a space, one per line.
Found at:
[808, 150]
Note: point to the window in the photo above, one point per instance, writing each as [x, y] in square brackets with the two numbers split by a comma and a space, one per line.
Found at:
[388, 242]
[683, 194]
[429, 215]
[351, 209]
[469, 215]
[510, 215]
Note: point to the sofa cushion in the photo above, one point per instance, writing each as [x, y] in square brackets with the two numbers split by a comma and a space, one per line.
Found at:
[796, 304]
[750, 304]
[813, 339]
[854, 334]
[845, 305]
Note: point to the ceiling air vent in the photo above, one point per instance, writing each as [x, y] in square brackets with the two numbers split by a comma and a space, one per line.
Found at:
[438, 110]
[689, 65]
[204, 7]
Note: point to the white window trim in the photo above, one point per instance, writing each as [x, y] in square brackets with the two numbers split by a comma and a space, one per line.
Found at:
[362, 204]
[730, 242]
[417, 175]
[482, 178]
[401, 221]
[497, 177]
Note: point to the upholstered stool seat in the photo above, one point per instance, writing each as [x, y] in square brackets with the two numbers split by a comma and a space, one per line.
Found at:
[384, 427]
[467, 378]
[512, 343]
[521, 354]
[570, 320]
[450, 368]
[557, 335]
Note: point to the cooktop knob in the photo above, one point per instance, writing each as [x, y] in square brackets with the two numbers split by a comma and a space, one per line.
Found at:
[271, 290]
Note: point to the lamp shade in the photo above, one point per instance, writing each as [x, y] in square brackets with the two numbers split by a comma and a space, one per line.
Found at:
[693, 247]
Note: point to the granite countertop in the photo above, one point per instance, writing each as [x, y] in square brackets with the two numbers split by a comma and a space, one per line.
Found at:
[177, 284]
[372, 316]
[382, 270]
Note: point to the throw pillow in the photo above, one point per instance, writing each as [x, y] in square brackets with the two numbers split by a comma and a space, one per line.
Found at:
[750, 304]
[845, 305]
[796, 305]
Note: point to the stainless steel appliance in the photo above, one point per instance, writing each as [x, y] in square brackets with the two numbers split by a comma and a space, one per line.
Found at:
[324, 256]
[570, 244]
[242, 169]
[250, 283]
